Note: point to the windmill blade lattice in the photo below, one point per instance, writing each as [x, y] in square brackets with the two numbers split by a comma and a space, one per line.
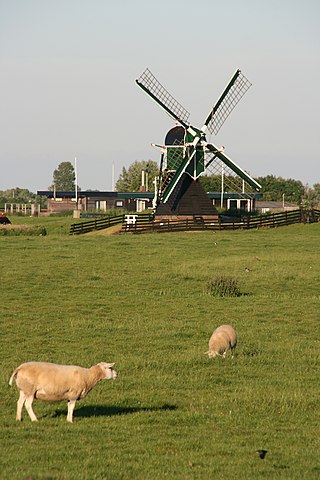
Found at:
[170, 163]
[233, 166]
[221, 173]
[233, 93]
[148, 82]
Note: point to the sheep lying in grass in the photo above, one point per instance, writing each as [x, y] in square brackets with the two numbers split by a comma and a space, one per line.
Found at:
[223, 338]
[52, 382]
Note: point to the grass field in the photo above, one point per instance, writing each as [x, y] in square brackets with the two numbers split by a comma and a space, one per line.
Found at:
[140, 301]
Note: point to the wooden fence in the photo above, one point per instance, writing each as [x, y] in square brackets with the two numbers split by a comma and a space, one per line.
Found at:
[102, 222]
[271, 220]
[146, 223]
[98, 223]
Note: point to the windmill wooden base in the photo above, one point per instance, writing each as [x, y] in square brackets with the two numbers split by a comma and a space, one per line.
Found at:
[188, 201]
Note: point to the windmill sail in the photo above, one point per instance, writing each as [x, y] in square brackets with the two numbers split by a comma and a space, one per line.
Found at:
[153, 87]
[234, 91]
[234, 167]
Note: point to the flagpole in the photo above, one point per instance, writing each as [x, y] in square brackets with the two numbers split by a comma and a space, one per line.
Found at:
[112, 178]
[222, 185]
[76, 178]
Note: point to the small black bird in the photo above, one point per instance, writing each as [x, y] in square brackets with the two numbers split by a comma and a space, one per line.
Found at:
[262, 453]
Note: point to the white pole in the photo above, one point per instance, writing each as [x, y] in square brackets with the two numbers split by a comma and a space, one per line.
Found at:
[222, 185]
[112, 177]
[76, 176]
[154, 201]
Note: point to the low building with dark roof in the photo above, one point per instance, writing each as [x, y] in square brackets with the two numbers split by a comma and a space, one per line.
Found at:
[90, 200]
[95, 200]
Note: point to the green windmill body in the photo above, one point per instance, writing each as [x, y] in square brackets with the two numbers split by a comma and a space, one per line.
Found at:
[187, 155]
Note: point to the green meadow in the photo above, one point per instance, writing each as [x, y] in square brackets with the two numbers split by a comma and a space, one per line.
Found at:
[141, 301]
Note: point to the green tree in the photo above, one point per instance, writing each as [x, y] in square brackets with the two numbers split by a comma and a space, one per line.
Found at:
[273, 188]
[316, 194]
[18, 195]
[312, 195]
[64, 178]
[130, 180]
[211, 183]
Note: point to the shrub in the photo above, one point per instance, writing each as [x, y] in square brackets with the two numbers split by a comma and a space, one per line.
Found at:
[223, 286]
[18, 230]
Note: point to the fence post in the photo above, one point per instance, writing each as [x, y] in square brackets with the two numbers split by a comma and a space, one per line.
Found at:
[302, 216]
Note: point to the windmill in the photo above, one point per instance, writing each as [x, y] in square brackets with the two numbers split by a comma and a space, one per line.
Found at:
[187, 155]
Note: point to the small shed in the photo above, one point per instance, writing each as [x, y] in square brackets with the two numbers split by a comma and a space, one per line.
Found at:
[265, 206]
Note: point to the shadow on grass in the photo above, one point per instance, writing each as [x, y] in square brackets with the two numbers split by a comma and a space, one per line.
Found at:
[110, 411]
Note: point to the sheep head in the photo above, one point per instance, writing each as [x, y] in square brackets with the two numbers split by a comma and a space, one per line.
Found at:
[108, 371]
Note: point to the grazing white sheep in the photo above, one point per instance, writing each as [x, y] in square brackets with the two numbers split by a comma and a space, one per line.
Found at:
[219, 343]
[52, 382]
[223, 338]
[232, 334]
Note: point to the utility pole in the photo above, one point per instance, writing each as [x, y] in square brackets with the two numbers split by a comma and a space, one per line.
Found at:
[76, 180]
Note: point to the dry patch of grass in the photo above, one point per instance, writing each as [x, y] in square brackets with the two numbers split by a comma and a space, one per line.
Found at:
[17, 230]
[115, 230]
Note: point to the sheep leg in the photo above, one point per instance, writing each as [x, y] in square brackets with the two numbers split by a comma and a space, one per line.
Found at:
[20, 404]
[71, 405]
[28, 405]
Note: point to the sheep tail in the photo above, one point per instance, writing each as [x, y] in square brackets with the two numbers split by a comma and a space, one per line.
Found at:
[13, 375]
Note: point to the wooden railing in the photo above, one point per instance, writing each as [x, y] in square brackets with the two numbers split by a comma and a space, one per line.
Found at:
[98, 223]
[146, 223]
[271, 220]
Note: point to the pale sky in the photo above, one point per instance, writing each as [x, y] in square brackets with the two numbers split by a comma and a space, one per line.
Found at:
[68, 71]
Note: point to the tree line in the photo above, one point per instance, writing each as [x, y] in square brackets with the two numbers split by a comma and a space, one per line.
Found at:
[273, 188]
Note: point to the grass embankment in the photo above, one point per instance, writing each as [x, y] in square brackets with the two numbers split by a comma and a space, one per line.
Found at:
[53, 224]
[172, 412]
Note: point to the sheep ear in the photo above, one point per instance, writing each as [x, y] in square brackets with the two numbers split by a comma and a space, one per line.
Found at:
[109, 365]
